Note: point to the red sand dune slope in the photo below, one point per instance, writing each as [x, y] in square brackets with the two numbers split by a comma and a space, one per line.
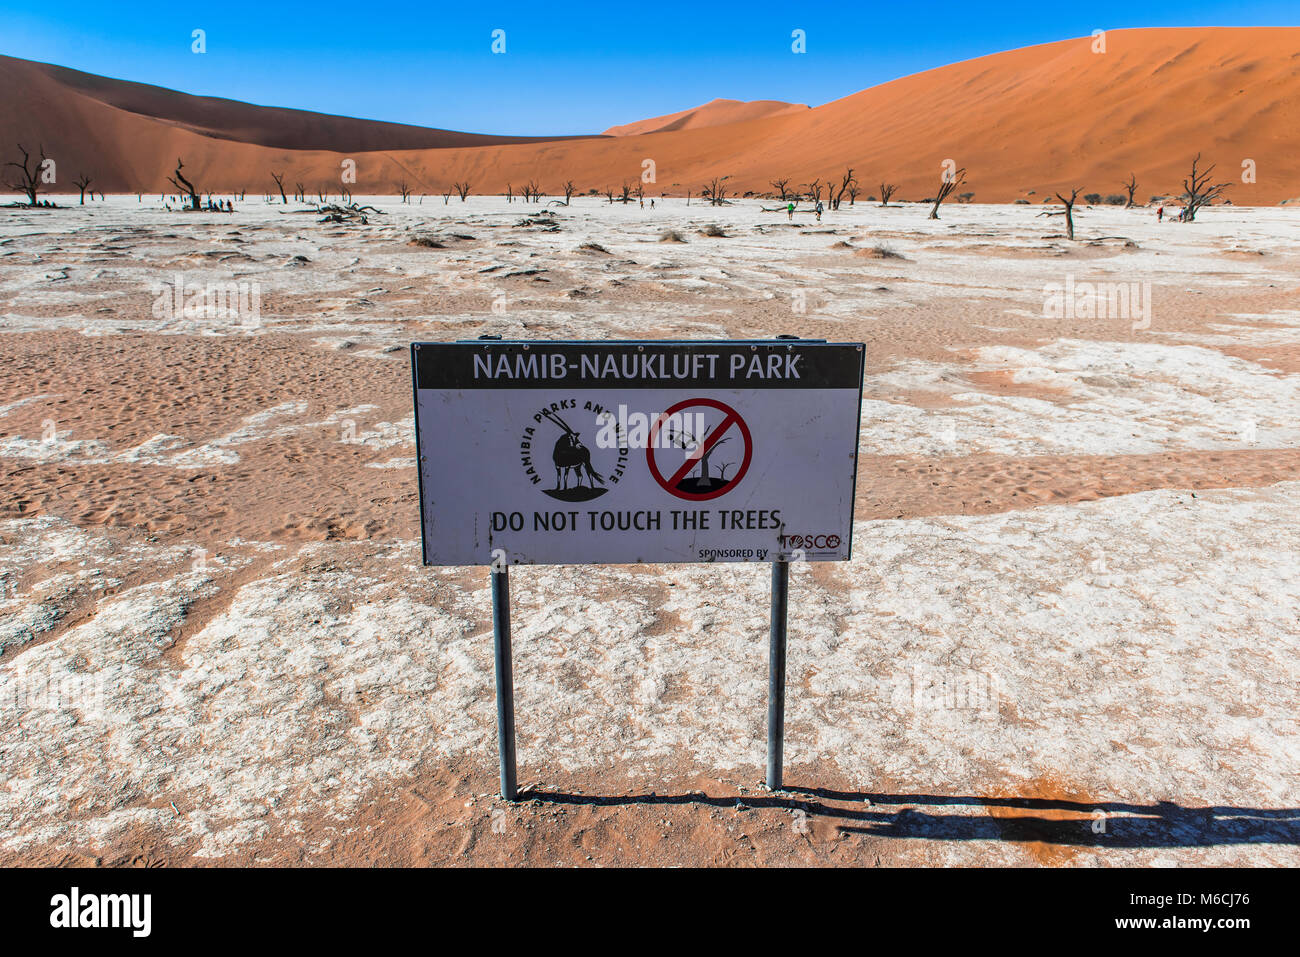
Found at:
[1039, 118]
[713, 113]
[41, 86]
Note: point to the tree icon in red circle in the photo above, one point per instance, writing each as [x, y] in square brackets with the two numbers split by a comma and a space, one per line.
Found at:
[695, 479]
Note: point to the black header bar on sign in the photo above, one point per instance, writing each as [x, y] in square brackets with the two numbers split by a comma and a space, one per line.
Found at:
[766, 364]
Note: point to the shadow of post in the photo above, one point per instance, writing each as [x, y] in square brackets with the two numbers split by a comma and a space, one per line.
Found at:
[1072, 823]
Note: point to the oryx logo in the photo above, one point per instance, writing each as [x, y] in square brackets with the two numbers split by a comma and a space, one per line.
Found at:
[555, 442]
[75, 909]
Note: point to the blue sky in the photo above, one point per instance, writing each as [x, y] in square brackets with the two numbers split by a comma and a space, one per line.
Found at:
[568, 68]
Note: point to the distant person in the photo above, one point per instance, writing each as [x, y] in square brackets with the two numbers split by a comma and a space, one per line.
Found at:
[1160, 215]
[789, 212]
[652, 204]
[819, 210]
[643, 202]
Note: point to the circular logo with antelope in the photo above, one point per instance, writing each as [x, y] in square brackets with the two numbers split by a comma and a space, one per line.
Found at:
[558, 450]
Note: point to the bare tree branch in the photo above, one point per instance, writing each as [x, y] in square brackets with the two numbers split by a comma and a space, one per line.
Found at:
[183, 185]
[1198, 192]
[845, 183]
[1131, 186]
[716, 191]
[1067, 211]
[946, 185]
[28, 181]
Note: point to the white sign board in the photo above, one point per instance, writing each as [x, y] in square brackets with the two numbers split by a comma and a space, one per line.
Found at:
[619, 452]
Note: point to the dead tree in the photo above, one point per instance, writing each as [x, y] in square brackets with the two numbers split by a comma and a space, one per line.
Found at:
[845, 183]
[887, 190]
[510, 193]
[350, 213]
[688, 443]
[715, 191]
[279, 181]
[814, 190]
[1067, 212]
[1131, 186]
[28, 179]
[854, 189]
[947, 184]
[405, 191]
[81, 182]
[609, 195]
[446, 196]
[299, 192]
[626, 196]
[1198, 192]
[178, 180]
[781, 186]
[569, 190]
[462, 189]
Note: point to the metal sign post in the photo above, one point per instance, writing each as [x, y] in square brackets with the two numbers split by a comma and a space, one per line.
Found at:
[776, 674]
[505, 680]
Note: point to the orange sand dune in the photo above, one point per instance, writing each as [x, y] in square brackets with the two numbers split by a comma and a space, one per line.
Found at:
[713, 113]
[1035, 119]
[44, 86]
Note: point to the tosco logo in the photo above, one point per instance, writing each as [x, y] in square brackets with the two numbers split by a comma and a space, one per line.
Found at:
[815, 543]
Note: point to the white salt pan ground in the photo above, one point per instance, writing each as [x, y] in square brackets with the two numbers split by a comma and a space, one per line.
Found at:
[1115, 399]
[948, 654]
[1141, 648]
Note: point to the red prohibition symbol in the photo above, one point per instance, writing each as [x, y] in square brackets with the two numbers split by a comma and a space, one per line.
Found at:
[697, 479]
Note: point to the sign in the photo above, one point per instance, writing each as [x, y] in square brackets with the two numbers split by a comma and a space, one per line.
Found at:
[621, 452]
